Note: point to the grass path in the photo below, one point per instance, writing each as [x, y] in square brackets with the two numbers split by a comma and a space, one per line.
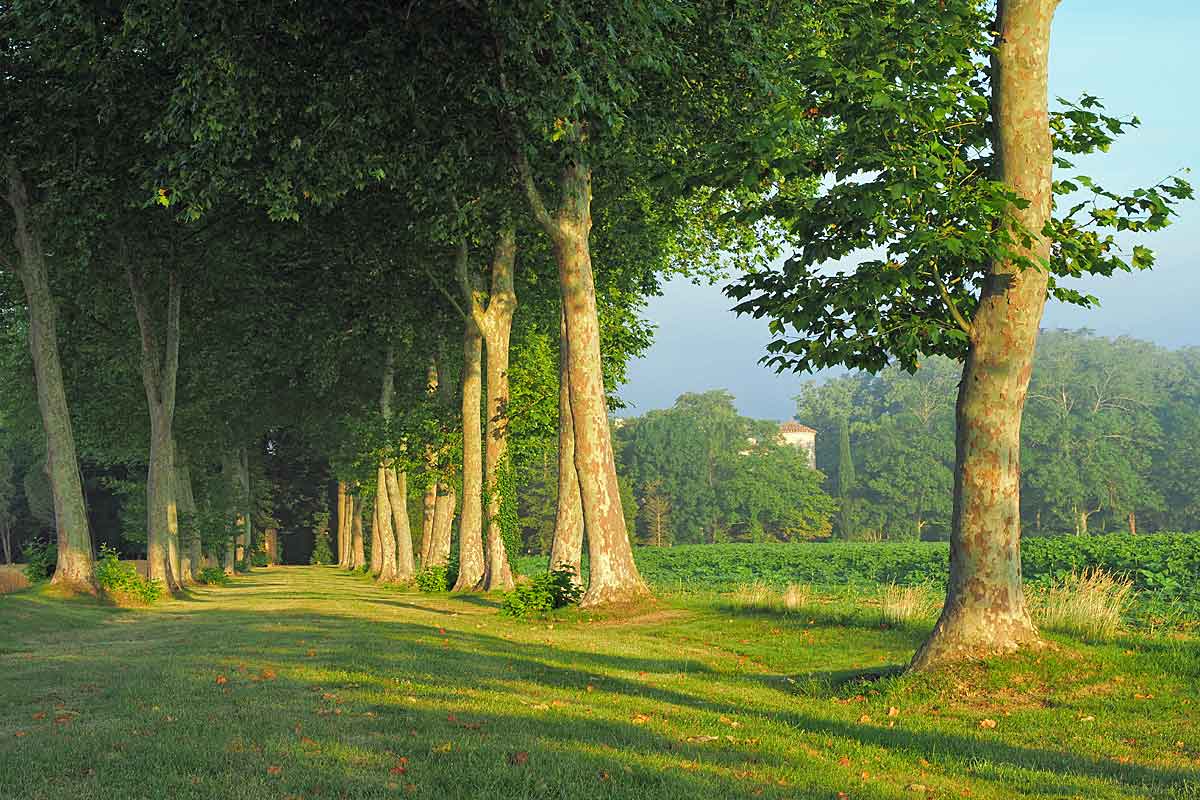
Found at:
[311, 683]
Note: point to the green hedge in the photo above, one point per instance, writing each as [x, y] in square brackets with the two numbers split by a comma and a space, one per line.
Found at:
[1167, 564]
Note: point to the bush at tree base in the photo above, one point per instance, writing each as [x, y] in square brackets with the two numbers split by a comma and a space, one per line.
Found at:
[544, 592]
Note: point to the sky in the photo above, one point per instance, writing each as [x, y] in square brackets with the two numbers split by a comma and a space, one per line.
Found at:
[1139, 58]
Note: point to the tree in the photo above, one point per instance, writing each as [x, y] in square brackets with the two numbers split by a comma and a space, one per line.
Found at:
[655, 512]
[958, 141]
[8, 496]
[845, 480]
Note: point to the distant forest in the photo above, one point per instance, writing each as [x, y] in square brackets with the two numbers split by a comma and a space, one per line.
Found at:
[1110, 443]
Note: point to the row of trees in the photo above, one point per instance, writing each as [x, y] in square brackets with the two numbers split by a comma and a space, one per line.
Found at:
[1110, 441]
[251, 218]
[433, 164]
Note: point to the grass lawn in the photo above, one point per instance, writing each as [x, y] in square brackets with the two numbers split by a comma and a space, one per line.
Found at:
[311, 683]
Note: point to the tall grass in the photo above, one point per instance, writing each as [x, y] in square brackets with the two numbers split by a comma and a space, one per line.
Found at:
[1088, 604]
[899, 605]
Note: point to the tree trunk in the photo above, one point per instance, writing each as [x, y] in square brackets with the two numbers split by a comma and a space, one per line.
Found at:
[246, 520]
[376, 556]
[343, 525]
[160, 365]
[6, 541]
[443, 526]
[1132, 524]
[230, 467]
[382, 535]
[429, 500]
[470, 530]
[358, 557]
[495, 323]
[75, 561]
[613, 576]
[985, 604]
[566, 550]
[397, 490]
[191, 556]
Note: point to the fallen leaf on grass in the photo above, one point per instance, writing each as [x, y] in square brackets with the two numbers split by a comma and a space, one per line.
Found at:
[640, 719]
[843, 761]
[518, 759]
[19, 734]
[39, 715]
[703, 738]
[987, 723]
[222, 680]
[274, 770]
[63, 719]
[864, 718]
[603, 775]
[731, 723]
[916, 787]
[1088, 718]
[444, 748]
[893, 712]
[311, 653]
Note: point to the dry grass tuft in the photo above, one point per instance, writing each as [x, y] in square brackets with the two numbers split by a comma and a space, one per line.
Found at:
[899, 605]
[12, 578]
[1087, 604]
[797, 597]
[757, 596]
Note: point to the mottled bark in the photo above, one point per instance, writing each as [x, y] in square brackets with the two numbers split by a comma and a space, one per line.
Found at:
[470, 529]
[493, 314]
[985, 604]
[160, 365]
[566, 550]
[74, 567]
[612, 574]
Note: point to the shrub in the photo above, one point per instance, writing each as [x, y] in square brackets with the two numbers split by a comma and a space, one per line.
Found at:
[41, 556]
[212, 576]
[1088, 604]
[899, 605]
[544, 592]
[260, 559]
[435, 578]
[321, 553]
[122, 579]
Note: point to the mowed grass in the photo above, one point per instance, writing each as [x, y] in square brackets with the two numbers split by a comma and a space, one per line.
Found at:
[311, 683]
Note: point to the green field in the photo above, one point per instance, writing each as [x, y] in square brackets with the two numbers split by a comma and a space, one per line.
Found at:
[308, 682]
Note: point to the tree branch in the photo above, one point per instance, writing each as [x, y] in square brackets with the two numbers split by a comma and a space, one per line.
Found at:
[959, 320]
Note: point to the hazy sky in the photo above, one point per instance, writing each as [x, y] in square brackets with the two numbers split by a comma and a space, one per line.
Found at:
[1139, 58]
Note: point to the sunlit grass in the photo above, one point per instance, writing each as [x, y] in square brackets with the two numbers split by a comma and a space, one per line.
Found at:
[316, 684]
